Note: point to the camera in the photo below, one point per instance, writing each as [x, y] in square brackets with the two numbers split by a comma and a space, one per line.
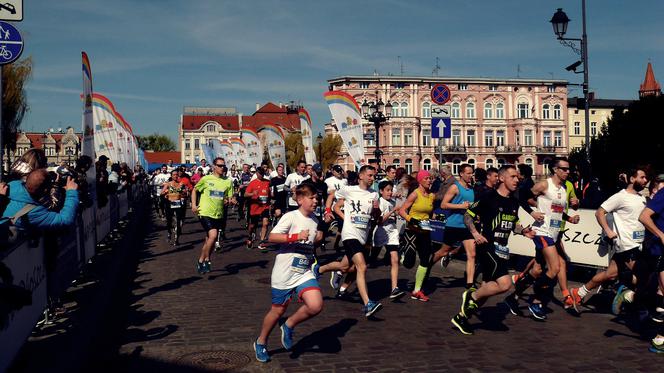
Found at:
[61, 175]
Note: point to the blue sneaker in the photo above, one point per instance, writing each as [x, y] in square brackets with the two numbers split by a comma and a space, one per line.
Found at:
[286, 336]
[315, 268]
[618, 300]
[206, 266]
[371, 308]
[261, 352]
[335, 279]
[537, 311]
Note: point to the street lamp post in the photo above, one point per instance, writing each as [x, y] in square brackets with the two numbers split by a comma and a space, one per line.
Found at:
[559, 22]
[319, 140]
[377, 113]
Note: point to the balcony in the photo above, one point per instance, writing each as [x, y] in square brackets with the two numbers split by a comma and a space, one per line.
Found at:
[550, 150]
[510, 149]
[453, 149]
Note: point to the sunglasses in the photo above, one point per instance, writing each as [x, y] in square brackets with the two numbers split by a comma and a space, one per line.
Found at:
[563, 168]
[219, 165]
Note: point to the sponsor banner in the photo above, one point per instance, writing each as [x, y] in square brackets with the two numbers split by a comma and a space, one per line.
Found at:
[347, 116]
[275, 143]
[583, 242]
[307, 137]
[239, 152]
[253, 146]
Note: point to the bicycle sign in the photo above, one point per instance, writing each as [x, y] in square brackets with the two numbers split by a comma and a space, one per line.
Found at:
[11, 43]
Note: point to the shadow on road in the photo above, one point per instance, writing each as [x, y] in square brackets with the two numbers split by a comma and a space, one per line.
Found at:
[324, 341]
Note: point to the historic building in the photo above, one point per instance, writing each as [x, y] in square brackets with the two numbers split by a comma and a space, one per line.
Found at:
[494, 121]
[600, 113]
[650, 86]
[58, 145]
[200, 125]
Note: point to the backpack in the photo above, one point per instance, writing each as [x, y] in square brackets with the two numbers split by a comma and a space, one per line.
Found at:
[9, 233]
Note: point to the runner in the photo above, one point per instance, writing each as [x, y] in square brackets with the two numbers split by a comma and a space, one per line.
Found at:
[279, 194]
[175, 192]
[294, 179]
[244, 178]
[296, 233]
[458, 197]
[417, 211]
[386, 234]
[214, 192]
[360, 205]
[498, 214]
[157, 185]
[258, 196]
[334, 183]
[551, 204]
[625, 234]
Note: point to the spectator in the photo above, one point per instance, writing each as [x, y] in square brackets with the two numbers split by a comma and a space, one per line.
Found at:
[35, 188]
[83, 164]
[3, 197]
[31, 160]
[114, 179]
[197, 176]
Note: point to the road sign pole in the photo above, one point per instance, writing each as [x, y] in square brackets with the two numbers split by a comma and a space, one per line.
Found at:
[2, 127]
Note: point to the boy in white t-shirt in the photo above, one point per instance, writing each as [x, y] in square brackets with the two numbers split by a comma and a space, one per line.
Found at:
[387, 234]
[297, 232]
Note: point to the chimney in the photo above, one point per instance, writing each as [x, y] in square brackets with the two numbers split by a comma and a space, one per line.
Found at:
[258, 106]
[239, 119]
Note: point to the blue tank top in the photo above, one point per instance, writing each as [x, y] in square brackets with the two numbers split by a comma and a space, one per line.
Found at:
[455, 218]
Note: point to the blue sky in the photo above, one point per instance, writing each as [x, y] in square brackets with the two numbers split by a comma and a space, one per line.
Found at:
[151, 58]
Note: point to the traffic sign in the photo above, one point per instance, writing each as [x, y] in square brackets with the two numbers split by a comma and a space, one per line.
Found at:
[441, 128]
[440, 94]
[11, 43]
[440, 111]
[369, 136]
[11, 10]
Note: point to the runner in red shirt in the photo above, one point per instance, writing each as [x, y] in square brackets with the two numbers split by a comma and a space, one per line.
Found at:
[258, 194]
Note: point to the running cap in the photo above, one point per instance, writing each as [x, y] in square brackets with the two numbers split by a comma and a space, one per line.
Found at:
[422, 174]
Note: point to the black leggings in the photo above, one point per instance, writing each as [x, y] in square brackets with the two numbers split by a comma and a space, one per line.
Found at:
[179, 214]
[422, 245]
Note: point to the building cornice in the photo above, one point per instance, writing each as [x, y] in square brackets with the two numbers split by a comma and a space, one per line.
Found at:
[443, 79]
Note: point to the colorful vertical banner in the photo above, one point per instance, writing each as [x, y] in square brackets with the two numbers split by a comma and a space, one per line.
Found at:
[226, 150]
[208, 152]
[275, 143]
[307, 136]
[239, 151]
[113, 135]
[87, 145]
[253, 146]
[347, 116]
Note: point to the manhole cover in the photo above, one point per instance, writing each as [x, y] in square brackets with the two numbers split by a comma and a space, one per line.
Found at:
[216, 360]
[264, 280]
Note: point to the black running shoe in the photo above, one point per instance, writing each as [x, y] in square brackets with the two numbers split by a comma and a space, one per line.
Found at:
[513, 305]
[462, 324]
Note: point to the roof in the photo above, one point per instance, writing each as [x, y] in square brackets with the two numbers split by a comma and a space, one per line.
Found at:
[444, 79]
[267, 114]
[650, 85]
[601, 102]
[37, 138]
[161, 157]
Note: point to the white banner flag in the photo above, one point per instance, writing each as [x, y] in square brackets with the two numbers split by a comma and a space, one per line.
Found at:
[307, 136]
[346, 114]
[276, 147]
[253, 145]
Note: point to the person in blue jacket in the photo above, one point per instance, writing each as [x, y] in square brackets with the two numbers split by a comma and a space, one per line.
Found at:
[31, 191]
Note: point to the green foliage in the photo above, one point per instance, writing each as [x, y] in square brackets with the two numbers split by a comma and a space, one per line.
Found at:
[156, 142]
[294, 149]
[631, 138]
[14, 101]
[330, 148]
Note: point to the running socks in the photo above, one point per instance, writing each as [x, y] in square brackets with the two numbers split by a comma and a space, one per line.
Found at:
[544, 288]
[523, 283]
[420, 275]
[583, 291]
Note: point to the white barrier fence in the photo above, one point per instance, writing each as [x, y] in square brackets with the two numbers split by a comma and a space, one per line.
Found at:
[23, 270]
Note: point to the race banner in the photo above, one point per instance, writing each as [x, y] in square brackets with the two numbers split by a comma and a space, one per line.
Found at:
[208, 152]
[253, 145]
[239, 152]
[276, 147]
[227, 152]
[113, 136]
[307, 137]
[87, 144]
[346, 114]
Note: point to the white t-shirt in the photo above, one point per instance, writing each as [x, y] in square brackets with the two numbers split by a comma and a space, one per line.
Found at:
[358, 204]
[387, 232]
[292, 266]
[625, 208]
[158, 181]
[206, 169]
[292, 181]
[334, 184]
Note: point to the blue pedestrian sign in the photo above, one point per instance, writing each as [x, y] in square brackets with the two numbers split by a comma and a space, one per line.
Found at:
[441, 128]
[11, 43]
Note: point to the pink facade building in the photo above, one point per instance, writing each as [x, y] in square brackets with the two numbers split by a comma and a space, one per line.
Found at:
[494, 121]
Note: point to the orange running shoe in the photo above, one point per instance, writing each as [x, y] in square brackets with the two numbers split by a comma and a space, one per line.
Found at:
[419, 295]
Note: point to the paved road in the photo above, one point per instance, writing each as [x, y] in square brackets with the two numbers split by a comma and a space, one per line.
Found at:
[177, 318]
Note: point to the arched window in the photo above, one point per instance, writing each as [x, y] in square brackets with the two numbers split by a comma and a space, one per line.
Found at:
[529, 162]
[426, 110]
[488, 110]
[409, 165]
[500, 110]
[455, 166]
[556, 111]
[488, 163]
[501, 162]
[522, 110]
[546, 113]
[470, 110]
[395, 109]
[397, 163]
[210, 128]
[404, 109]
[471, 162]
[427, 164]
[456, 110]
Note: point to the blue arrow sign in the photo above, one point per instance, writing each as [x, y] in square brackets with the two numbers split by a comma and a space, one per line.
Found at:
[11, 43]
[441, 128]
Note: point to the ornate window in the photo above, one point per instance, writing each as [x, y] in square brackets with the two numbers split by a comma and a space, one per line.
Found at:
[522, 110]
[556, 111]
[546, 112]
[500, 110]
[470, 110]
[408, 136]
[427, 164]
[404, 109]
[409, 165]
[488, 110]
[426, 110]
[456, 110]
[488, 138]
[396, 136]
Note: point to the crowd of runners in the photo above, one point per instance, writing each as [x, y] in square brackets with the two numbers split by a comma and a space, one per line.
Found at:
[424, 218]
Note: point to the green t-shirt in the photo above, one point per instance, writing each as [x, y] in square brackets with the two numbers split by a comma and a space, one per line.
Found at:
[569, 188]
[213, 191]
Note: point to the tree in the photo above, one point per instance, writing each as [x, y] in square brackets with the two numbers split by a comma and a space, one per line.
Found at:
[630, 138]
[294, 149]
[156, 142]
[14, 100]
[330, 148]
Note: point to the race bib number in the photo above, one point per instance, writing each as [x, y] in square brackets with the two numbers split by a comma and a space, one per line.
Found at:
[555, 223]
[501, 251]
[300, 265]
[426, 225]
[217, 194]
[263, 199]
[360, 221]
[280, 188]
[638, 236]
[176, 204]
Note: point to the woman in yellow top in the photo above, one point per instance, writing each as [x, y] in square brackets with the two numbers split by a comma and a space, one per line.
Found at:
[175, 192]
[417, 211]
